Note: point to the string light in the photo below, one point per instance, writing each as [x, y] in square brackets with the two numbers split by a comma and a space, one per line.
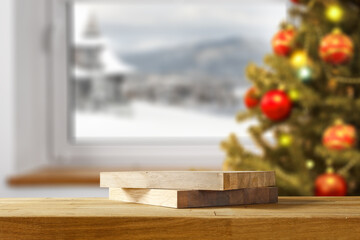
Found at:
[310, 164]
[294, 95]
[285, 140]
[304, 73]
[334, 13]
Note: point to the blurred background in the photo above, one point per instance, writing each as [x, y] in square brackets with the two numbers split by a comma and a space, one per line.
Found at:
[130, 72]
[174, 70]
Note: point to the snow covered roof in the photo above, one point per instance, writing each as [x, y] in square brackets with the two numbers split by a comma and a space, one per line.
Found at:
[87, 35]
[111, 66]
[114, 65]
[81, 74]
[90, 42]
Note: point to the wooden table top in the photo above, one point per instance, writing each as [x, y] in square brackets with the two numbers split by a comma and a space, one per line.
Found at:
[99, 218]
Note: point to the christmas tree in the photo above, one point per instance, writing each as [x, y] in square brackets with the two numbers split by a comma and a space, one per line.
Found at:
[308, 96]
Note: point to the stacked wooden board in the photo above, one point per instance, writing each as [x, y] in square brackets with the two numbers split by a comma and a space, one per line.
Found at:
[186, 189]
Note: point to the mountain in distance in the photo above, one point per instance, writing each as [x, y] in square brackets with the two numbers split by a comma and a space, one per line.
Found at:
[224, 58]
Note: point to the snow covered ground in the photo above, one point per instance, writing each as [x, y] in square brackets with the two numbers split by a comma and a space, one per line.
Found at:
[143, 119]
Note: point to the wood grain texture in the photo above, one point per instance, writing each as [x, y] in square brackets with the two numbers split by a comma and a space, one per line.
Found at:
[194, 198]
[188, 180]
[102, 219]
[60, 175]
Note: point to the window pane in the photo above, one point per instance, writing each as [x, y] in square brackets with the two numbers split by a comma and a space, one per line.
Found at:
[164, 68]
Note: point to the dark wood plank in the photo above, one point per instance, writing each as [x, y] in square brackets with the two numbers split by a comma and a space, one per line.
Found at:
[194, 198]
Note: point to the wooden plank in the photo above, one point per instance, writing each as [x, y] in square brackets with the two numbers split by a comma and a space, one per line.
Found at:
[194, 198]
[102, 219]
[57, 175]
[287, 207]
[188, 180]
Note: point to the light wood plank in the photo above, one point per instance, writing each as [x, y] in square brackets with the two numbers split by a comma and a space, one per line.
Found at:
[102, 219]
[57, 175]
[188, 180]
[194, 198]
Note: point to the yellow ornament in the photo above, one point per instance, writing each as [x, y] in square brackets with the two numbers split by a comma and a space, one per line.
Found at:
[334, 13]
[285, 140]
[294, 95]
[298, 59]
[310, 164]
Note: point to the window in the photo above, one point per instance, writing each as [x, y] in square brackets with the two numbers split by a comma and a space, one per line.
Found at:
[148, 82]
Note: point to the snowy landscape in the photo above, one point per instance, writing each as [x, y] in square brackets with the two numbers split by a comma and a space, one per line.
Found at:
[178, 74]
[151, 120]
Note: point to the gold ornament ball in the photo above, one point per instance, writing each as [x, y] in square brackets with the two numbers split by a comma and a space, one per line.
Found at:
[298, 59]
[334, 13]
[285, 140]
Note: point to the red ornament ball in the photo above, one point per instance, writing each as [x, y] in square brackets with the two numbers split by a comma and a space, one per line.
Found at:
[276, 105]
[251, 98]
[339, 137]
[295, 1]
[282, 41]
[330, 184]
[336, 48]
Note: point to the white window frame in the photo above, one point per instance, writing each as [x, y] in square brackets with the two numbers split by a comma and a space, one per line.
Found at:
[182, 153]
[42, 116]
[32, 131]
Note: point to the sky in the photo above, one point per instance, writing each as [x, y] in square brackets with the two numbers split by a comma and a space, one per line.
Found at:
[146, 25]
